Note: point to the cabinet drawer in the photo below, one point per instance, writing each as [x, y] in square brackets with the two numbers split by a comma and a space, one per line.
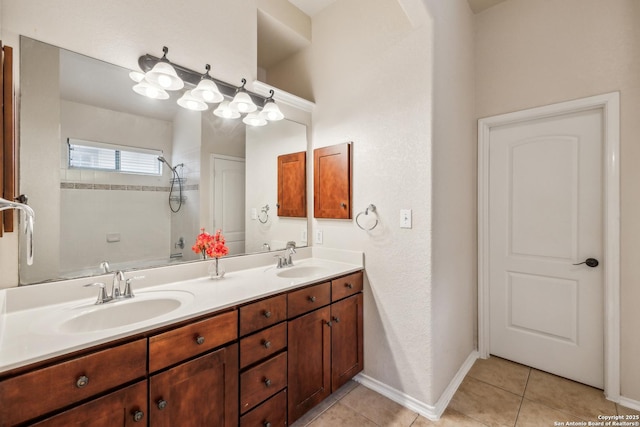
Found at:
[307, 299]
[261, 314]
[345, 286]
[259, 383]
[273, 412]
[181, 343]
[262, 344]
[24, 397]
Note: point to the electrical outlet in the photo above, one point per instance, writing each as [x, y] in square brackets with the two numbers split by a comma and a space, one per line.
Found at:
[318, 237]
[405, 218]
[254, 213]
[303, 235]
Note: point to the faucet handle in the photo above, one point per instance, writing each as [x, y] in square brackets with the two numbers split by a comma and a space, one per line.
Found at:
[102, 293]
[128, 290]
[281, 260]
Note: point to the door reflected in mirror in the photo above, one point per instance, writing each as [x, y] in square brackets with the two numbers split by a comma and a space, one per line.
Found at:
[86, 215]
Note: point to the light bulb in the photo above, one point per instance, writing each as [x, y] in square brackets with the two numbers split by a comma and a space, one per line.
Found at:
[164, 81]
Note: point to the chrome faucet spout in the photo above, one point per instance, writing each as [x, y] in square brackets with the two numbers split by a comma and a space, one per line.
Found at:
[28, 224]
[118, 278]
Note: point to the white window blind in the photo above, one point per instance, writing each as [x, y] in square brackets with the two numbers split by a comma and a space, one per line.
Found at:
[109, 157]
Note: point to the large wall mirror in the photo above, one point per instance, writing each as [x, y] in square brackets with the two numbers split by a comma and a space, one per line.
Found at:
[73, 106]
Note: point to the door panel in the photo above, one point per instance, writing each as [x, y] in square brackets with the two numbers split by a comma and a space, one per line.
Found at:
[228, 202]
[545, 204]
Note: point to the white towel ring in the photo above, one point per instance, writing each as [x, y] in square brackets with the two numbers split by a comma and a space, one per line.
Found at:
[370, 208]
[264, 213]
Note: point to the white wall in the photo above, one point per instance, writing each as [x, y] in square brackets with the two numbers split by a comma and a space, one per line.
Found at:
[531, 53]
[454, 246]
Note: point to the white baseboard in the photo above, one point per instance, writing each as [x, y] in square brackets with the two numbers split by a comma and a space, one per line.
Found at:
[629, 403]
[431, 412]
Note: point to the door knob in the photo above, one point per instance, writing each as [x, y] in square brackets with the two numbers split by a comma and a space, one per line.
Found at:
[591, 262]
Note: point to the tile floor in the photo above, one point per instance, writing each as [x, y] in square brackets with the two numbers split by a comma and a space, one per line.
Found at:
[495, 392]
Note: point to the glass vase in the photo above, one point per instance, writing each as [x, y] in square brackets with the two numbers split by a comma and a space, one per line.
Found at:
[216, 270]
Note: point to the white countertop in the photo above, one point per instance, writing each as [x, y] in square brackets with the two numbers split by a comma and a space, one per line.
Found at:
[29, 331]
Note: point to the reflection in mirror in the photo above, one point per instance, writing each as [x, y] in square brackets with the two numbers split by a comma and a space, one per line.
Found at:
[88, 214]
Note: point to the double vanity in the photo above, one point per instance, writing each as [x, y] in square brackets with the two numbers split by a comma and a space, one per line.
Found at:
[259, 347]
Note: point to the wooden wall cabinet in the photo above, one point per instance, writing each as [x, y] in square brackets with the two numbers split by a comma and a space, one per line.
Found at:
[332, 181]
[292, 185]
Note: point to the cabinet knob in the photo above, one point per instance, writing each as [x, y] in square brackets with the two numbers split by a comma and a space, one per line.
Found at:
[138, 416]
[82, 381]
[267, 382]
[162, 404]
[266, 343]
[312, 299]
[199, 340]
[336, 319]
[266, 424]
[343, 205]
[329, 323]
[267, 314]
[349, 285]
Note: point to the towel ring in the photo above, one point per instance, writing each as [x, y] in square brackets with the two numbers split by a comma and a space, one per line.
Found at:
[264, 213]
[370, 208]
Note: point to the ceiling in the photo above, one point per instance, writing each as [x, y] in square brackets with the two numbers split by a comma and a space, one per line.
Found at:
[312, 7]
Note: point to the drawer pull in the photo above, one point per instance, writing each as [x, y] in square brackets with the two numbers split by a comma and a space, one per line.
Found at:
[312, 299]
[349, 285]
[266, 424]
[162, 404]
[138, 416]
[199, 340]
[329, 323]
[266, 343]
[267, 314]
[82, 381]
[267, 382]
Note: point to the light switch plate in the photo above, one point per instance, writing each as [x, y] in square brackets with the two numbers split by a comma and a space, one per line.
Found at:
[303, 235]
[254, 213]
[405, 218]
[318, 237]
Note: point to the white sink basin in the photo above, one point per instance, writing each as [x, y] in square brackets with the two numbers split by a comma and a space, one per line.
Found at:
[93, 318]
[301, 271]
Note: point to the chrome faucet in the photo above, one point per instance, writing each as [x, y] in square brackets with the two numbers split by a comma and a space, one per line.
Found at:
[285, 260]
[116, 291]
[118, 278]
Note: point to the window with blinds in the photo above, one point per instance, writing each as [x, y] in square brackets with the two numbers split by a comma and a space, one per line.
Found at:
[114, 158]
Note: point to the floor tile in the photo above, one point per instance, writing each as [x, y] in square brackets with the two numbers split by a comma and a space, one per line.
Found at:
[450, 418]
[486, 403]
[314, 412]
[501, 373]
[375, 407]
[623, 410]
[340, 415]
[568, 396]
[534, 414]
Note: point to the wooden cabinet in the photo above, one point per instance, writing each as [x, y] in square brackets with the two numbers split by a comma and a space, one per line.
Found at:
[332, 182]
[126, 407]
[70, 381]
[263, 313]
[200, 392]
[325, 345]
[292, 185]
[271, 413]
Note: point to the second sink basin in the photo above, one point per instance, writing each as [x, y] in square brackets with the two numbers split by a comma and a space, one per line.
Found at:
[144, 306]
[301, 271]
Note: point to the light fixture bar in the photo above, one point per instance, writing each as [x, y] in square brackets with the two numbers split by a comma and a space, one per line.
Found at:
[146, 63]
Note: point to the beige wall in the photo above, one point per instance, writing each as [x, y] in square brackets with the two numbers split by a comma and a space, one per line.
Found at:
[531, 53]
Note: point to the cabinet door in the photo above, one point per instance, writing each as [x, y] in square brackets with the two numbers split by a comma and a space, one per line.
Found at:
[332, 182]
[126, 407]
[309, 361]
[292, 185]
[202, 392]
[346, 340]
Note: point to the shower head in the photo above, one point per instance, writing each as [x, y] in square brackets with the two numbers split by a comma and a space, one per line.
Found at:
[163, 160]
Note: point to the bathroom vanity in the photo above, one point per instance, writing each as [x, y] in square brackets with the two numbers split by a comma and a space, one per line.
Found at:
[259, 361]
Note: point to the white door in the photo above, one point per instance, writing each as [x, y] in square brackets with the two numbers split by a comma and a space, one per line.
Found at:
[228, 201]
[545, 216]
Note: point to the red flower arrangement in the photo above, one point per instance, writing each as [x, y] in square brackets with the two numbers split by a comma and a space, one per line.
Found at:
[210, 245]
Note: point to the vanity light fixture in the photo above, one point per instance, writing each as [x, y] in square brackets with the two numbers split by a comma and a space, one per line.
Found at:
[190, 102]
[207, 90]
[225, 111]
[254, 119]
[271, 111]
[150, 91]
[136, 76]
[164, 75]
[242, 102]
